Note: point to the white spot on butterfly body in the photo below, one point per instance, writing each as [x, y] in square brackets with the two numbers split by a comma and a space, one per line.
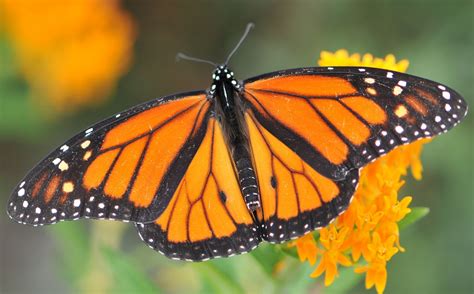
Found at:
[77, 202]
[330, 68]
[21, 192]
[117, 115]
[22, 184]
[441, 87]
[25, 204]
[402, 83]
[423, 126]
[38, 210]
[377, 143]
[89, 131]
[390, 75]
[54, 210]
[101, 205]
[447, 107]
[437, 118]
[361, 69]
[56, 161]
[64, 148]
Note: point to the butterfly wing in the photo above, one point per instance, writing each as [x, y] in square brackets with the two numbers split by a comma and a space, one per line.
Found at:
[207, 216]
[116, 168]
[311, 129]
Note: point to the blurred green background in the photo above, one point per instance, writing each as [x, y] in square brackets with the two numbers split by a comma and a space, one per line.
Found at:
[435, 36]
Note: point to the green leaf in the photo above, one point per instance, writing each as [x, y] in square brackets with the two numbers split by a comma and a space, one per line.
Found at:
[128, 277]
[267, 256]
[217, 280]
[290, 251]
[75, 247]
[297, 278]
[415, 215]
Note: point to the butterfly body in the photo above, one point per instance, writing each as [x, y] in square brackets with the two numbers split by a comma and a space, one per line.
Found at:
[213, 173]
[225, 91]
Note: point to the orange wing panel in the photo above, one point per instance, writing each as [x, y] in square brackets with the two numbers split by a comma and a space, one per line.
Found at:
[164, 145]
[298, 115]
[367, 109]
[306, 85]
[51, 189]
[96, 172]
[288, 186]
[148, 120]
[208, 202]
[124, 169]
[351, 127]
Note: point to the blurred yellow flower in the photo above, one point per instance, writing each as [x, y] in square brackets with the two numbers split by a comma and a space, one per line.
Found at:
[369, 227]
[71, 53]
[332, 254]
[306, 248]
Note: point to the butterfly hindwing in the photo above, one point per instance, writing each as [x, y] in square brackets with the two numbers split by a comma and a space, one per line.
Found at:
[116, 168]
[295, 199]
[338, 119]
[207, 216]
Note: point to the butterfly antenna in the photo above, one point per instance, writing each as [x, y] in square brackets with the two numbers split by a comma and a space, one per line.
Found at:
[183, 56]
[250, 26]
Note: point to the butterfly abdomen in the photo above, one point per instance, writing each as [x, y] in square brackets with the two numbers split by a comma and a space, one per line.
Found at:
[230, 111]
[248, 183]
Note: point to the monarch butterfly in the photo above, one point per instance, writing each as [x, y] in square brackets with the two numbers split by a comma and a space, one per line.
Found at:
[213, 173]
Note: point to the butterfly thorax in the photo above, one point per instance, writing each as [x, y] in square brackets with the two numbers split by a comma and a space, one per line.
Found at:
[225, 91]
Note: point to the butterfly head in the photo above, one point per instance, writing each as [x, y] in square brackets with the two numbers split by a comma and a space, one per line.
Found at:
[223, 75]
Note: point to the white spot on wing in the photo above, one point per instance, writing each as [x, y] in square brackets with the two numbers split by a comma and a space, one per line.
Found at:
[446, 95]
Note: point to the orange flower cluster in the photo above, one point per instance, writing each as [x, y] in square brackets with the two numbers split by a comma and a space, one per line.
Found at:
[71, 53]
[369, 228]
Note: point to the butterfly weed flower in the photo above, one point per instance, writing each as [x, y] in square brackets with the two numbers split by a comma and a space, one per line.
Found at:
[70, 54]
[366, 236]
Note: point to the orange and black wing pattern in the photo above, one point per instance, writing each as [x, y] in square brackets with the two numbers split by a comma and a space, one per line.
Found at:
[116, 168]
[207, 216]
[311, 129]
[295, 198]
[341, 118]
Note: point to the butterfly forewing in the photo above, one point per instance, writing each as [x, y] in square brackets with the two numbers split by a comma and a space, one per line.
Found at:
[341, 118]
[116, 168]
